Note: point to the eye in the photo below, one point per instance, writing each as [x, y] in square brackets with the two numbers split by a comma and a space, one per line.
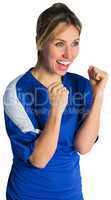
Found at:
[59, 44]
[75, 43]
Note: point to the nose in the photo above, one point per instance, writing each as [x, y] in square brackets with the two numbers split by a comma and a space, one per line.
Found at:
[67, 54]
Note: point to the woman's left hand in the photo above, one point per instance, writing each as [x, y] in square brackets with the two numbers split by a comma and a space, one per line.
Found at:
[98, 80]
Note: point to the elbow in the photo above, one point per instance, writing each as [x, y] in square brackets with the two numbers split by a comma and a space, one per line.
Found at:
[40, 166]
[37, 164]
[83, 151]
[83, 148]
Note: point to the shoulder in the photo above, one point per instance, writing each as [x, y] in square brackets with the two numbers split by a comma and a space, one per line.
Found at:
[82, 83]
[12, 87]
[17, 86]
[20, 81]
[77, 77]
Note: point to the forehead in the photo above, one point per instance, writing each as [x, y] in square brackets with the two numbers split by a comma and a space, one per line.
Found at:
[65, 31]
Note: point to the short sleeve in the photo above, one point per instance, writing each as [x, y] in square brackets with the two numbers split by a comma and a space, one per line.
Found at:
[20, 122]
[87, 98]
[86, 102]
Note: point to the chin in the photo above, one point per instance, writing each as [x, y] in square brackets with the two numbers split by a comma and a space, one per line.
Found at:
[61, 73]
[59, 70]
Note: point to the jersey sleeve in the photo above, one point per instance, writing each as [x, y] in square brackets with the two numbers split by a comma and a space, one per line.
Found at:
[86, 103]
[21, 123]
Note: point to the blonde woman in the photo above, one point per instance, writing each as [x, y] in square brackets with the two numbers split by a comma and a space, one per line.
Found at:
[52, 115]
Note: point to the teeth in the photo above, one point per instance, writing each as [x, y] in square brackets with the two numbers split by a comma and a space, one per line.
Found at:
[63, 62]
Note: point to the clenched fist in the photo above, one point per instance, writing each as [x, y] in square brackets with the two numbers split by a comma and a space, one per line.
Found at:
[98, 80]
[58, 95]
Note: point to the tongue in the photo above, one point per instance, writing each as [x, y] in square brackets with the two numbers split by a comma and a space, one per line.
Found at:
[61, 63]
[62, 66]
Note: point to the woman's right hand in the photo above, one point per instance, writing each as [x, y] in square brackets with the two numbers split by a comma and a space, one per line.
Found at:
[58, 95]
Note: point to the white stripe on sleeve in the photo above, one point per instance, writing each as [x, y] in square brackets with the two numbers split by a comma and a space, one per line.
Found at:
[15, 110]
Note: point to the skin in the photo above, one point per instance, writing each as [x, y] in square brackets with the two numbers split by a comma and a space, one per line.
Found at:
[49, 74]
[65, 48]
[88, 132]
[61, 47]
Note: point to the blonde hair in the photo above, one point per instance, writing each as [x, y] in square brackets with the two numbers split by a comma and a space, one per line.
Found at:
[48, 21]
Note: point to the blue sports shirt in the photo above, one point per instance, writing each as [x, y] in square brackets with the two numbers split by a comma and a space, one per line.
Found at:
[26, 110]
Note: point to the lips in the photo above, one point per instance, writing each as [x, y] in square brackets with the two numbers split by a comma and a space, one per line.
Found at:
[63, 62]
[62, 66]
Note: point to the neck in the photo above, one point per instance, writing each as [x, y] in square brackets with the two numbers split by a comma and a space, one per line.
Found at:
[45, 76]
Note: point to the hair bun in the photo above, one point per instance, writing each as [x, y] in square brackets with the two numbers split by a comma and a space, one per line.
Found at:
[59, 5]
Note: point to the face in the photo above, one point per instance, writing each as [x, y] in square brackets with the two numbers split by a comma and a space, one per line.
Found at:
[62, 49]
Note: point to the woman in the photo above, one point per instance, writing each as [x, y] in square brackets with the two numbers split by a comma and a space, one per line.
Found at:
[52, 116]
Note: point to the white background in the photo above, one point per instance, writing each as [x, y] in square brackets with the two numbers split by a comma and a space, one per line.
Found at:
[18, 54]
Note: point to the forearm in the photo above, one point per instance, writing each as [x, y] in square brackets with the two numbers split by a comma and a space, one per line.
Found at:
[88, 132]
[46, 144]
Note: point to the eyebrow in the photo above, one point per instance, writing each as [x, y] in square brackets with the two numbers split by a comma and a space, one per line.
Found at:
[66, 41]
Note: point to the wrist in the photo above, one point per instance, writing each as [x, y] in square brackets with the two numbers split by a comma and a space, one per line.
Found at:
[98, 98]
[55, 113]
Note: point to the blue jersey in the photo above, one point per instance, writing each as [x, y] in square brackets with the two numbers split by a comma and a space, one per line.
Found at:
[26, 109]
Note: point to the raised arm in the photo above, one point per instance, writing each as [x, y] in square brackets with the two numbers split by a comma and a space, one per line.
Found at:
[88, 132]
[45, 145]
[28, 142]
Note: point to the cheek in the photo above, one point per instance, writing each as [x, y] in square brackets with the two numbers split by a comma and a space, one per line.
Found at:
[76, 52]
[53, 54]
[49, 55]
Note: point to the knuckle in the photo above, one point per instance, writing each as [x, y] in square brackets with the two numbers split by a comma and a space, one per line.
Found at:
[67, 90]
[105, 73]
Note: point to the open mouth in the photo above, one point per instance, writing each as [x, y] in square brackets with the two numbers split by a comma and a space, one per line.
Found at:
[63, 64]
